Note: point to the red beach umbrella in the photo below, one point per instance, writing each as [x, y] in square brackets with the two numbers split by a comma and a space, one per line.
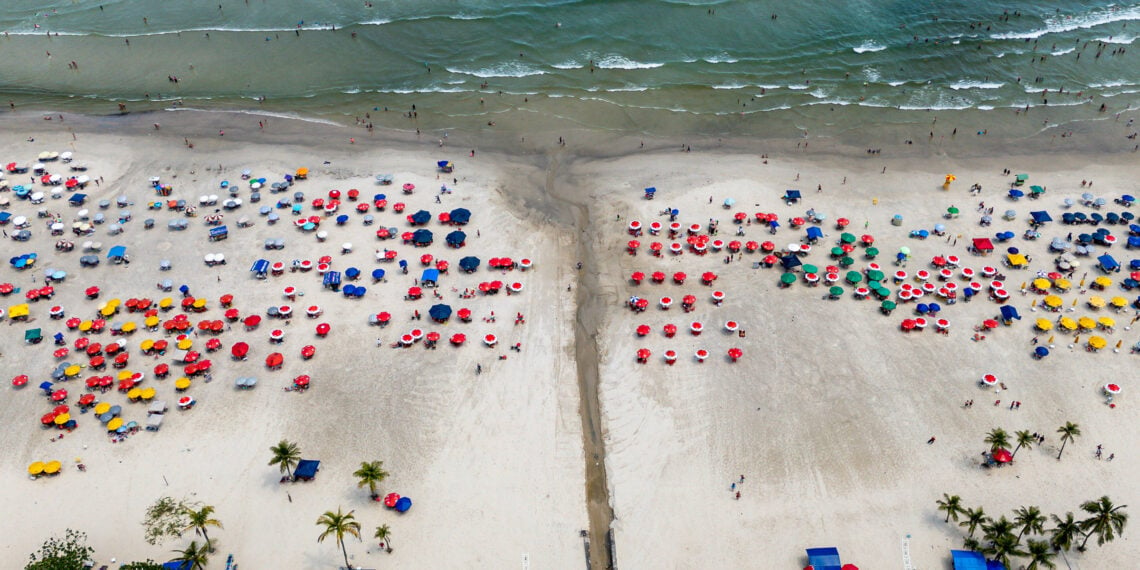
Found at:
[97, 362]
[1002, 455]
[81, 343]
[308, 351]
[385, 316]
[708, 277]
[658, 276]
[301, 381]
[239, 350]
[87, 399]
[643, 355]
[679, 277]
[637, 277]
[735, 353]
[415, 292]
[458, 339]
[670, 330]
[274, 360]
[20, 381]
[432, 336]
[688, 300]
[390, 500]
[252, 321]
[767, 246]
[59, 395]
[60, 352]
[323, 329]
[643, 330]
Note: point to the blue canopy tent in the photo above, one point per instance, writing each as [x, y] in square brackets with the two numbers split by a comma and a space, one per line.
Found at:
[790, 262]
[178, 565]
[469, 263]
[814, 234]
[307, 469]
[119, 252]
[1040, 217]
[377, 275]
[429, 278]
[824, 558]
[1009, 314]
[422, 238]
[440, 313]
[421, 217]
[4, 217]
[456, 239]
[332, 280]
[791, 196]
[219, 233]
[77, 199]
[460, 216]
[1108, 263]
[970, 560]
[260, 268]
[650, 192]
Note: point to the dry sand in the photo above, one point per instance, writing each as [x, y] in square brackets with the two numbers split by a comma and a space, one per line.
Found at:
[827, 415]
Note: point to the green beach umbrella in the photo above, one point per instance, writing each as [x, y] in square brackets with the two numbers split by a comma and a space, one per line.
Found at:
[847, 238]
[904, 250]
[888, 305]
[837, 252]
[952, 210]
[1036, 189]
[788, 278]
[846, 262]
[854, 277]
[835, 291]
[871, 252]
[809, 268]
[883, 292]
[875, 275]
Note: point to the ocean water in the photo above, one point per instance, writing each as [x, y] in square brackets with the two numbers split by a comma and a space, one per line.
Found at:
[635, 66]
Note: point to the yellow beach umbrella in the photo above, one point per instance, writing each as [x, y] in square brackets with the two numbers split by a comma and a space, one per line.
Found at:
[1068, 324]
[36, 468]
[52, 467]
[102, 408]
[62, 419]
[146, 344]
[1119, 302]
[1044, 325]
[129, 327]
[72, 371]
[85, 326]
[166, 303]
[1086, 323]
[1096, 302]
[185, 344]
[108, 310]
[115, 302]
[200, 303]
[125, 374]
[1106, 322]
[18, 311]
[1053, 301]
[147, 393]
[182, 383]
[1041, 283]
[151, 322]
[1103, 281]
[1062, 285]
[134, 393]
[114, 424]
[1097, 343]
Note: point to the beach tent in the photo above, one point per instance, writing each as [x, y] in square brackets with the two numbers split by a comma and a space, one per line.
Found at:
[650, 192]
[970, 560]
[117, 253]
[77, 199]
[260, 268]
[791, 196]
[1108, 263]
[429, 278]
[814, 234]
[460, 216]
[306, 469]
[332, 280]
[824, 558]
[178, 565]
[983, 246]
[1009, 314]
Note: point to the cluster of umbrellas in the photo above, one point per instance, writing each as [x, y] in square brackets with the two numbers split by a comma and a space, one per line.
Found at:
[700, 355]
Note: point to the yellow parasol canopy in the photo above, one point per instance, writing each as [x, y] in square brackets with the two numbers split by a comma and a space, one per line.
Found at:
[166, 303]
[1097, 343]
[1053, 301]
[1062, 285]
[1068, 324]
[18, 311]
[114, 424]
[1096, 302]
[1103, 281]
[147, 393]
[36, 468]
[129, 327]
[200, 303]
[62, 419]
[302, 172]
[1106, 322]
[1086, 323]
[125, 374]
[1016, 259]
[134, 393]
[85, 326]
[72, 371]
[950, 178]
[1119, 302]
[102, 408]
[146, 344]
[52, 467]
[151, 322]
[108, 310]
[1041, 283]
[1044, 324]
[182, 383]
[185, 344]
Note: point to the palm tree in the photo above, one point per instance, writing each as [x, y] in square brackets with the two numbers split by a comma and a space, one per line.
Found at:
[1024, 439]
[194, 556]
[1107, 521]
[286, 454]
[1029, 520]
[371, 474]
[339, 524]
[971, 543]
[198, 520]
[998, 439]
[1069, 432]
[951, 505]
[995, 529]
[1003, 548]
[384, 535]
[1064, 531]
[1040, 556]
[974, 518]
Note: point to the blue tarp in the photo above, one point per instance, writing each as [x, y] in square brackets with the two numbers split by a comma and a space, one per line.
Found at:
[429, 276]
[460, 216]
[1041, 217]
[970, 560]
[1009, 313]
[650, 191]
[824, 558]
[77, 199]
[307, 468]
[332, 279]
[814, 233]
[117, 251]
[178, 565]
[469, 263]
[420, 217]
[1108, 263]
[440, 312]
[456, 238]
[791, 194]
[219, 232]
[260, 266]
[422, 237]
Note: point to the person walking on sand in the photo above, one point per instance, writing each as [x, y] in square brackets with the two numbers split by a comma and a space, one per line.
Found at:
[931, 440]
[738, 492]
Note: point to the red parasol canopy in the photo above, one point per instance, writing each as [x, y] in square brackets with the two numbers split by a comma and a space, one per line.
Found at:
[990, 324]
[735, 353]
[213, 344]
[323, 329]
[252, 321]
[1002, 455]
[239, 350]
[126, 384]
[643, 353]
[59, 395]
[658, 276]
[301, 381]
[432, 336]
[383, 316]
[688, 300]
[458, 339]
[390, 500]
[633, 244]
[274, 360]
[679, 277]
[308, 351]
[20, 381]
[708, 277]
[643, 330]
[87, 399]
[637, 276]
